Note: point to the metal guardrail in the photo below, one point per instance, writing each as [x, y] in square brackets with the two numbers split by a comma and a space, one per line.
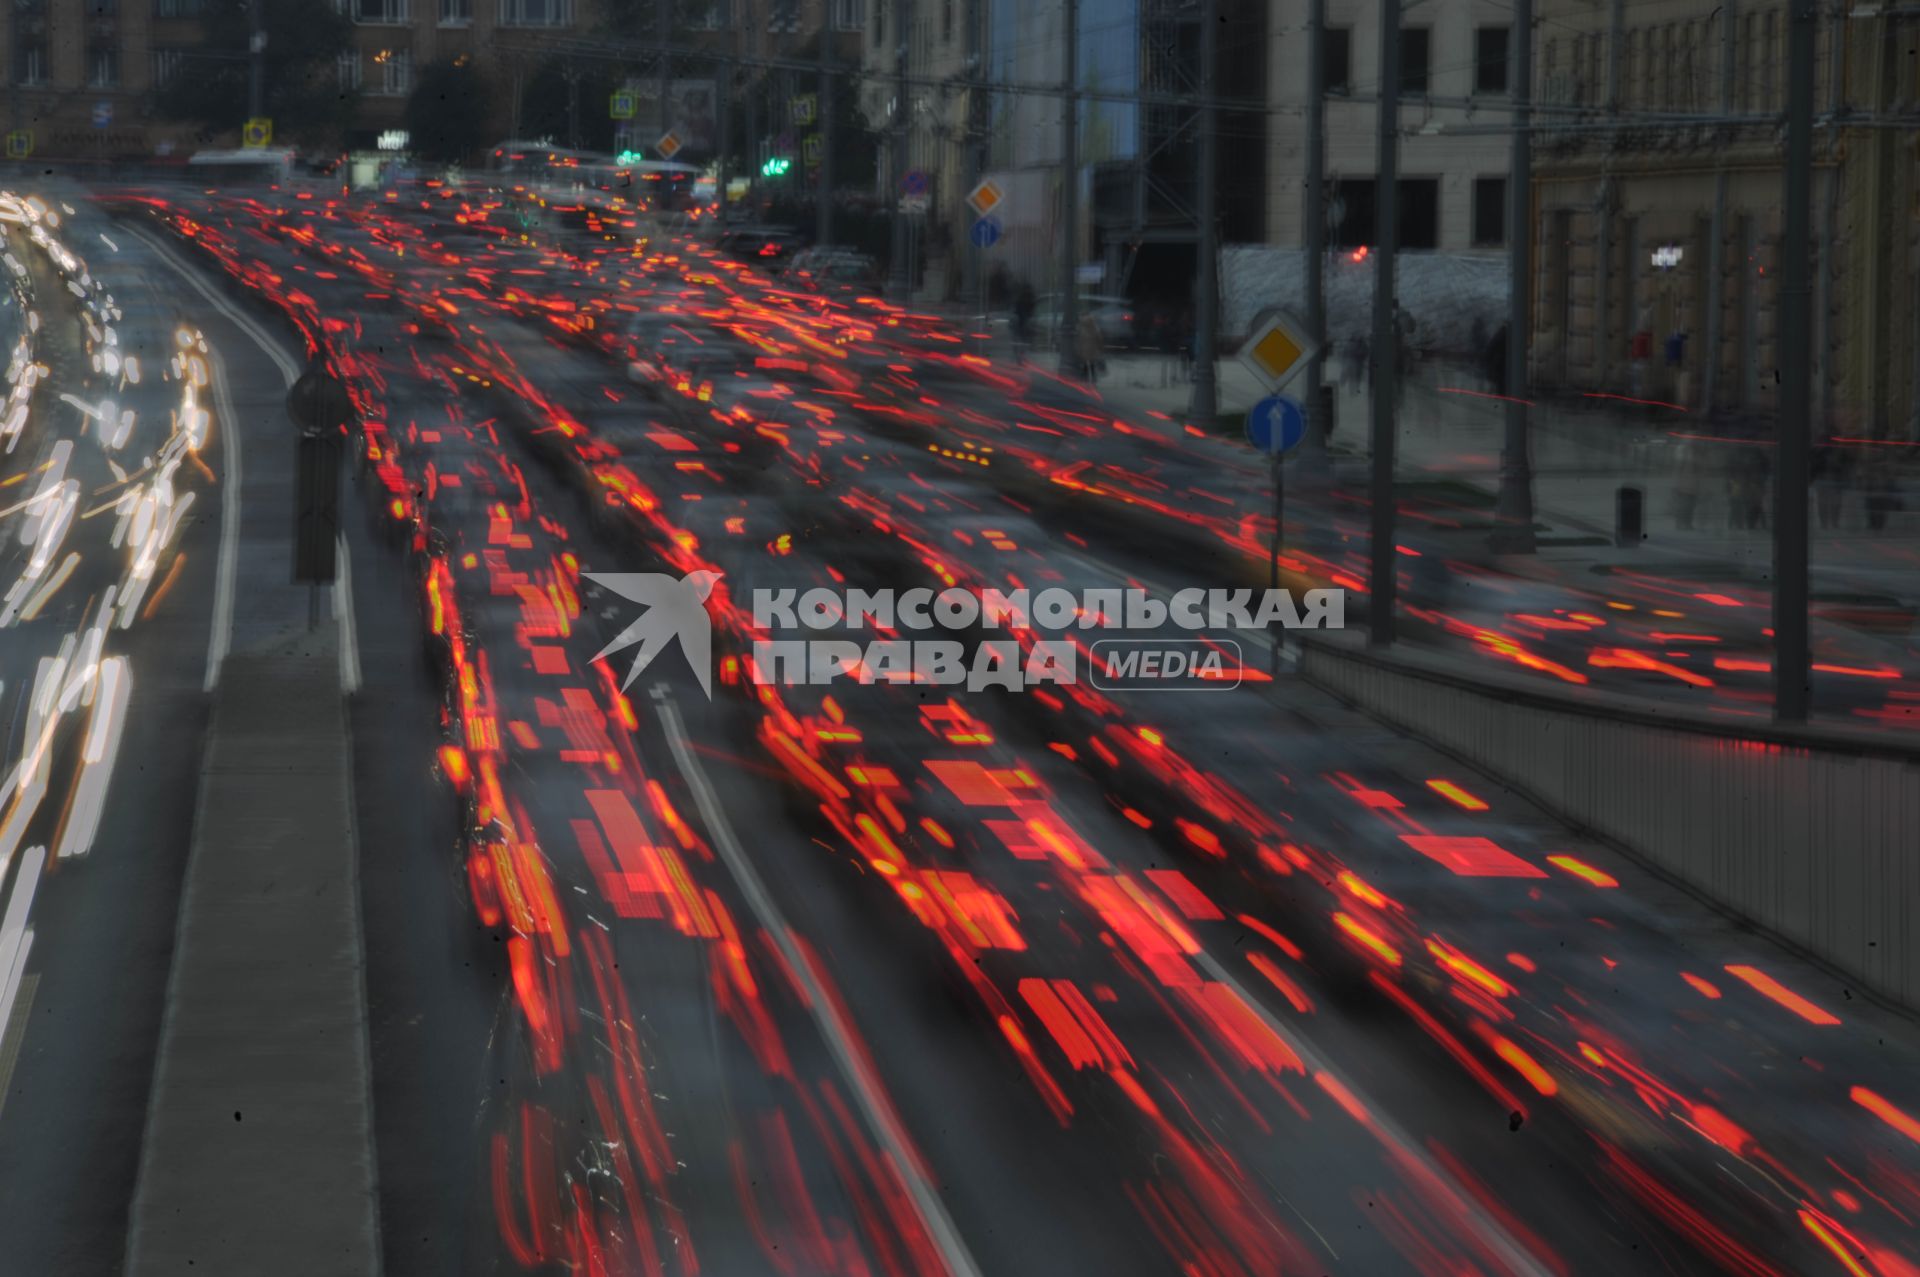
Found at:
[1810, 833]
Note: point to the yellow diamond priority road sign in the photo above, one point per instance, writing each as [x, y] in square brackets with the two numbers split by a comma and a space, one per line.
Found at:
[986, 197]
[1276, 349]
[669, 146]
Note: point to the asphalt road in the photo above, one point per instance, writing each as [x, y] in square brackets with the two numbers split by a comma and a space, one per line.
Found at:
[902, 977]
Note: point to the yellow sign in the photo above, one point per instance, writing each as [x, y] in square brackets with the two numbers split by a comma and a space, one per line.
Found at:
[986, 197]
[19, 144]
[257, 132]
[668, 146]
[1276, 349]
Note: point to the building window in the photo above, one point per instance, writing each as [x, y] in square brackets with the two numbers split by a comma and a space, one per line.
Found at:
[166, 64]
[1490, 60]
[347, 68]
[1579, 71]
[103, 65]
[849, 15]
[536, 13]
[375, 12]
[1415, 42]
[1419, 219]
[396, 72]
[456, 13]
[712, 15]
[178, 8]
[1489, 212]
[1336, 59]
[30, 60]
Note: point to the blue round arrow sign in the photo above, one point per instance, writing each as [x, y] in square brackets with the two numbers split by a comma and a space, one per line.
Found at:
[1276, 424]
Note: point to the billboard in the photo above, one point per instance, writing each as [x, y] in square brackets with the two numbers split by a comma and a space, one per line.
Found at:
[692, 114]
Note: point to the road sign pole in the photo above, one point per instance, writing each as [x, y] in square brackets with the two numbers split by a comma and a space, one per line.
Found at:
[1273, 569]
[1382, 567]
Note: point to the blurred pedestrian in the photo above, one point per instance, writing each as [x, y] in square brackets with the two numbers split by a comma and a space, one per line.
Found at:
[1747, 486]
[1640, 355]
[1882, 497]
[1089, 348]
[1023, 307]
[1828, 468]
[1493, 360]
[1686, 483]
[1356, 364]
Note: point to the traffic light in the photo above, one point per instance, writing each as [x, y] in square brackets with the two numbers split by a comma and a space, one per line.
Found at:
[776, 166]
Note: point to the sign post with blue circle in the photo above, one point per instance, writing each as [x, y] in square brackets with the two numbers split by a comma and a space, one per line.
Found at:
[985, 232]
[1276, 425]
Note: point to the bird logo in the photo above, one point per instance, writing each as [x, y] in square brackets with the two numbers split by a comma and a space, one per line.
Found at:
[675, 607]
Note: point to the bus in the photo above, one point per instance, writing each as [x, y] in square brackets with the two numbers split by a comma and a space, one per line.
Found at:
[248, 166]
[660, 184]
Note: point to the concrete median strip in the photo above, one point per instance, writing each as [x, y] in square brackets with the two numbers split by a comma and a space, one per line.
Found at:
[258, 1155]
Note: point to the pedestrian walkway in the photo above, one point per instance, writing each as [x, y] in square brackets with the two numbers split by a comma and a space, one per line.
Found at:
[258, 1156]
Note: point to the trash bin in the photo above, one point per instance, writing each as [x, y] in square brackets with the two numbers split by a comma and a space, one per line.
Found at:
[1629, 517]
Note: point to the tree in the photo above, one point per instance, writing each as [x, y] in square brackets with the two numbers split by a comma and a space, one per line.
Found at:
[573, 111]
[447, 113]
[300, 89]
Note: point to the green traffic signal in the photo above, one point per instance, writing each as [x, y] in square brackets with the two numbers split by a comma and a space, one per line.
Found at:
[776, 167]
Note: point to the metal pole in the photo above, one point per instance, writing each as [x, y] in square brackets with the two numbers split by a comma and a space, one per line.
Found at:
[902, 279]
[823, 212]
[1381, 580]
[663, 19]
[257, 59]
[1070, 195]
[1791, 674]
[1274, 631]
[1717, 232]
[1315, 215]
[1205, 401]
[1513, 514]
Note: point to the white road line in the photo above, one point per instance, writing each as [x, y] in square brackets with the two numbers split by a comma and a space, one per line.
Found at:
[1517, 1258]
[874, 1105]
[343, 613]
[13, 1034]
[230, 491]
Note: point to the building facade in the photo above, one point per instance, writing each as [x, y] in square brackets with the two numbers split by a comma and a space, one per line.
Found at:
[1454, 76]
[1658, 193]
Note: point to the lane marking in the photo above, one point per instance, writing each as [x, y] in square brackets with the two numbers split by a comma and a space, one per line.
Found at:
[874, 1105]
[1491, 1234]
[343, 613]
[230, 496]
[15, 1036]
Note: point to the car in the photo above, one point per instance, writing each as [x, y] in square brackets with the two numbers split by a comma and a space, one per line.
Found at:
[764, 245]
[1114, 315]
[830, 270]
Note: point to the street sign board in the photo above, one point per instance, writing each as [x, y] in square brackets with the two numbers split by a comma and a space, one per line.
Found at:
[257, 132]
[985, 232]
[986, 197]
[620, 106]
[1276, 349]
[802, 110]
[914, 203]
[810, 150]
[914, 183]
[669, 146]
[316, 512]
[1276, 424]
[19, 144]
[1091, 273]
[102, 113]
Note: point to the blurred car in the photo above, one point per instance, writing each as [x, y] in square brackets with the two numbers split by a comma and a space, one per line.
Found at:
[1114, 315]
[831, 269]
[766, 245]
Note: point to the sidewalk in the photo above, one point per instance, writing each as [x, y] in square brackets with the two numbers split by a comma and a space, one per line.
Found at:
[258, 1155]
[1451, 431]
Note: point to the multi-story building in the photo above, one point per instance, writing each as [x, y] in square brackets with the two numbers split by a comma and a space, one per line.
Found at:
[1659, 202]
[82, 75]
[987, 98]
[1453, 74]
